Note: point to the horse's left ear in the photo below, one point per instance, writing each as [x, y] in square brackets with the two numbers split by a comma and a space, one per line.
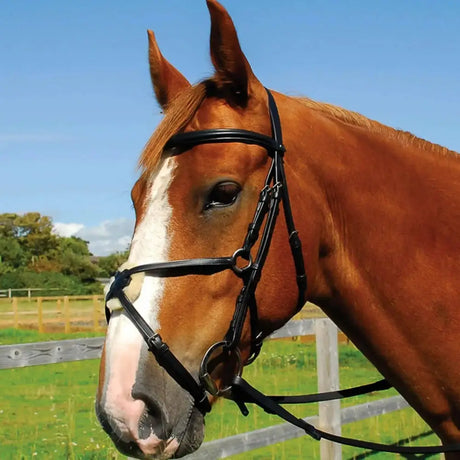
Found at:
[232, 68]
[167, 81]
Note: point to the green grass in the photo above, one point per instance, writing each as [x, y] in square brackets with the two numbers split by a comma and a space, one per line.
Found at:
[11, 336]
[47, 412]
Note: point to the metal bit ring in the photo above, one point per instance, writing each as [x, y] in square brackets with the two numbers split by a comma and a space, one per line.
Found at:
[205, 378]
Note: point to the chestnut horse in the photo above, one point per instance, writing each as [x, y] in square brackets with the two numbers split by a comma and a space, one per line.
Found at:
[378, 213]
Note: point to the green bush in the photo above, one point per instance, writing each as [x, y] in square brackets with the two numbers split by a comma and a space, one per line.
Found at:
[53, 283]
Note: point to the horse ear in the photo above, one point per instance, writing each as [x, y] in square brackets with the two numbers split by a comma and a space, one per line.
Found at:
[232, 68]
[167, 81]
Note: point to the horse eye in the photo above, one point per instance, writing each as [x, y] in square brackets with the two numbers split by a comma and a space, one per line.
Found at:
[222, 194]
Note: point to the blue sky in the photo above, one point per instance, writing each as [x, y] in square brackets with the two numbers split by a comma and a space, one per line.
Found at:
[76, 103]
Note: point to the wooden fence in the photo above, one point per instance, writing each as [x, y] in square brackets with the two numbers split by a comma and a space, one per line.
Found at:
[10, 291]
[330, 417]
[53, 313]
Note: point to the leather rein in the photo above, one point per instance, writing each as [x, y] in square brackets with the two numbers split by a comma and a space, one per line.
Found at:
[249, 269]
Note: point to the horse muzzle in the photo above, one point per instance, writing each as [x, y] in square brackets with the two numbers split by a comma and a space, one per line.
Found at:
[145, 428]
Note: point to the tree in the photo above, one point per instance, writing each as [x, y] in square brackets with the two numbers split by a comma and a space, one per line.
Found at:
[110, 264]
[33, 233]
[75, 259]
[31, 255]
[28, 245]
[7, 226]
[12, 256]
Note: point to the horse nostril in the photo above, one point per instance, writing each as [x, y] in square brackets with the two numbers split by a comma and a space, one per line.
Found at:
[153, 421]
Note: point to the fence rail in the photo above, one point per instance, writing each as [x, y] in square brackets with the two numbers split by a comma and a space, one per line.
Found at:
[9, 292]
[34, 354]
[330, 417]
[66, 313]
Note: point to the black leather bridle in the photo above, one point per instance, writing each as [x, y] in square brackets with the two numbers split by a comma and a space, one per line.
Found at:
[241, 262]
[249, 269]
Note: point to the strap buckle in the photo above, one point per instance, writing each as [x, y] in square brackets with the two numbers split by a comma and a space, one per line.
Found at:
[256, 347]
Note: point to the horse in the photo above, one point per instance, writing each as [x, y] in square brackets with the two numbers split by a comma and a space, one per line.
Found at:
[377, 211]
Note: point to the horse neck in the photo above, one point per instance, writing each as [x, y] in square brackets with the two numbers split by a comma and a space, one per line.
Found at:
[388, 205]
[389, 211]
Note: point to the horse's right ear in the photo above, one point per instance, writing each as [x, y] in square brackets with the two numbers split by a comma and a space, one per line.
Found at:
[167, 81]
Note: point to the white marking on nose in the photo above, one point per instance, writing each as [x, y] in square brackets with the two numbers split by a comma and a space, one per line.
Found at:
[123, 343]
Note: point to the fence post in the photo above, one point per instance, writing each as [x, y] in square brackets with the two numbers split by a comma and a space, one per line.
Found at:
[15, 312]
[95, 313]
[66, 314]
[328, 380]
[40, 314]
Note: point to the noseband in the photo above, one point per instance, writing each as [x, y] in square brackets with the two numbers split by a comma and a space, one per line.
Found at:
[242, 263]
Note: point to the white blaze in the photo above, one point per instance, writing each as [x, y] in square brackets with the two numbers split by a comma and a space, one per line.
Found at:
[150, 244]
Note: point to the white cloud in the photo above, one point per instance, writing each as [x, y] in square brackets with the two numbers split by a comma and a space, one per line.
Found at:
[106, 238]
[66, 230]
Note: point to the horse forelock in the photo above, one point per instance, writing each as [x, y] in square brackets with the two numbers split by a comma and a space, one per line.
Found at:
[178, 114]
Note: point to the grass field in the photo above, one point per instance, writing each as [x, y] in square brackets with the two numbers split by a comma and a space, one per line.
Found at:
[47, 412]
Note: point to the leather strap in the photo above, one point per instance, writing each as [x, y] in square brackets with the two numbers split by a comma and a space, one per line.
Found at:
[187, 140]
[380, 385]
[165, 357]
[205, 266]
[242, 391]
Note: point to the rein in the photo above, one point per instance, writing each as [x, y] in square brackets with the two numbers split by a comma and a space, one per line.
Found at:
[249, 269]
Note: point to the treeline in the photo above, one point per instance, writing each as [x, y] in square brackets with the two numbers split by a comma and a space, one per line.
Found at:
[32, 256]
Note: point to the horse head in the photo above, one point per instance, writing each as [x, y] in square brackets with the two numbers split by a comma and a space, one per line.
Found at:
[194, 202]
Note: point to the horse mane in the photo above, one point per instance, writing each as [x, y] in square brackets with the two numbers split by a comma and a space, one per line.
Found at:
[356, 119]
[182, 109]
